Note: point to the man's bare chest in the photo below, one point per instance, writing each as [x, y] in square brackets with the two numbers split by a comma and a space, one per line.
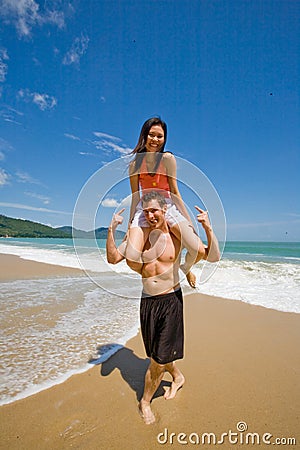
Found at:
[159, 247]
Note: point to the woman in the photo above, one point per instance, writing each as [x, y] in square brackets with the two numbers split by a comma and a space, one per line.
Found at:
[154, 169]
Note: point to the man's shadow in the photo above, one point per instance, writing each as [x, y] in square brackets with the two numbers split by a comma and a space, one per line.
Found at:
[131, 367]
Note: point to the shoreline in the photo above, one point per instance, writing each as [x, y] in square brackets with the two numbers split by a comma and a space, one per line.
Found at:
[253, 281]
[14, 267]
[242, 364]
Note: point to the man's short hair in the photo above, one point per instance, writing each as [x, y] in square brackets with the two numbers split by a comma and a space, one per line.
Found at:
[154, 195]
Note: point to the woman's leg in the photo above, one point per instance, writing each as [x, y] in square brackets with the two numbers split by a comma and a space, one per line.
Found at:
[135, 244]
[194, 246]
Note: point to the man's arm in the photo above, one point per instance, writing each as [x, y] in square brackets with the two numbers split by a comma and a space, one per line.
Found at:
[114, 256]
[212, 252]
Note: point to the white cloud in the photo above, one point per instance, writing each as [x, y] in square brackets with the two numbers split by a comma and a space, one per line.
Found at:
[107, 144]
[88, 154]
[4, 147]
[110, 203]
[53, 17]
[4, 177]
[43, 198]
[110, 144]
[99, 134]
[9, 114]
[71, 136]
[77, 50]
[3, 65]
[23, 177]
[23, 13]
[108, 147]
[26, 14]
[43, 101]
[33, 208]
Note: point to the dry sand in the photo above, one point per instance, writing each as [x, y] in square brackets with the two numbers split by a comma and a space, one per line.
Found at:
[242, 364]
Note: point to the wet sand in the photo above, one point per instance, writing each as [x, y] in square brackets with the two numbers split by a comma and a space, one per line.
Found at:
[13, 267]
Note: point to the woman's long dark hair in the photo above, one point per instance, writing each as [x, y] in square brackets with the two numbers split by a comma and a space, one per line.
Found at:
[140, 148]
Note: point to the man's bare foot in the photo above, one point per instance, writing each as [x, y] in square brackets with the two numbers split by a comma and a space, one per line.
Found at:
[172, 390]
[146, 412]
[191, 278]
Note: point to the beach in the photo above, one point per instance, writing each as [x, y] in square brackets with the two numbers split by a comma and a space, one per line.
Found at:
[14, 267]
[242, 369]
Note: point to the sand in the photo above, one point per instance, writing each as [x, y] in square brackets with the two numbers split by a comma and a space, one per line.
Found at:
[242, 364]
[13, 267]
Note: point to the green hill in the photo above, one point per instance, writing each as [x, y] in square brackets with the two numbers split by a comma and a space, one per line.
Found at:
[101, 233]
[25, 228]
[19, 228]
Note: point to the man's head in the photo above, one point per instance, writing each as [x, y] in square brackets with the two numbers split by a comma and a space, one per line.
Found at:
[154, 207]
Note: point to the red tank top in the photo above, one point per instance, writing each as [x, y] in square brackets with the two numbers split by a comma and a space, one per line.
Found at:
[159, 181]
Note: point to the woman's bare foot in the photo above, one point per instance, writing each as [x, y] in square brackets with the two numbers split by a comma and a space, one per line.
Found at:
[191, 278]
[146, 412]
[172, 390]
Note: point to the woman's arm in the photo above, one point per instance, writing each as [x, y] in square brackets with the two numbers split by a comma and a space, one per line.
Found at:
[171, 168]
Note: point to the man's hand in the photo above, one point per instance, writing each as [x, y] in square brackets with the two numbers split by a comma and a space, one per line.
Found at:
[202, 218]
[114, 255]
[117, 219]
[212, 250]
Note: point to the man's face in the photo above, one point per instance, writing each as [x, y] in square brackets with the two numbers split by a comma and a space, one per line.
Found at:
[154, 213]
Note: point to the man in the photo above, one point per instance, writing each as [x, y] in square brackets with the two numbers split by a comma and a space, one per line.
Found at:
[161, 309]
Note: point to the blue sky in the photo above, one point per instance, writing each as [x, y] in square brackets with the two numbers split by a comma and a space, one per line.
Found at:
[79, 77]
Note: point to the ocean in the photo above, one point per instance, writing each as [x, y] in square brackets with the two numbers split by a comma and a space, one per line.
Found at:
[52, 328]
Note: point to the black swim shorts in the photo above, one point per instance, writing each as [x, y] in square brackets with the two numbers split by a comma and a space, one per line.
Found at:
[162, 326]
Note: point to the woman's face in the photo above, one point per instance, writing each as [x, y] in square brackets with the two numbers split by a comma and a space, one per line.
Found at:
[155, 139]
